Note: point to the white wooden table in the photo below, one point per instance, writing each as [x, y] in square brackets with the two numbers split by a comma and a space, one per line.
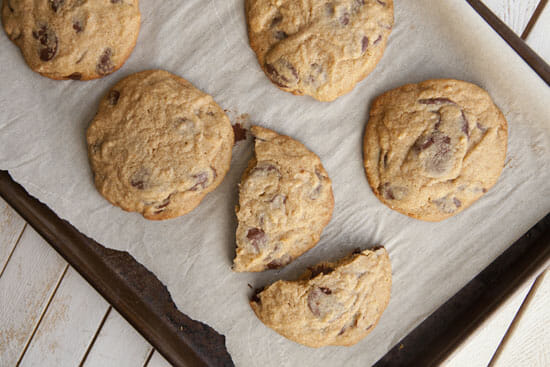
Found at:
[49, 316]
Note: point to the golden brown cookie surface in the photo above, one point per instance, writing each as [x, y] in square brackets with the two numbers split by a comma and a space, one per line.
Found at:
[285, 201]
[319, 48]
[432, 149]
[158, 145]
[333, 303]
[73, 39]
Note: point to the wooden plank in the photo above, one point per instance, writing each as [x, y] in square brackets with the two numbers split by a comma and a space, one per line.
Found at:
[515, 13]
[480, 346]
[526, 342]
[68, 326]
[26, 286]
[157, 360]
[539, 37]
[11, 227]
[118, 345]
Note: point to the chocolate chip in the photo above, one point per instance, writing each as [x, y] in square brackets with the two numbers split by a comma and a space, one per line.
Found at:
[255, 297]
[315, 299]
[48, 42]
[425, 143]
[105, 64]
[115, 1]
[381, 2]
[255, 234]
[280, 35]
[377, 40]
[201, 181]
[484, 190]
[140, 185]
[113, 97]
[344, 19]
[446, 205]
[436, 101]
[239, 132]
[481, 127]
[56, 4]
[78, 26]
[276, 21]
[279, 263]
[282, 73]
[364, 44]
[257, 237]
[265, 168]
[320, 269]
[386, 191]
[75, 76]
[325, 290]
[465, 125]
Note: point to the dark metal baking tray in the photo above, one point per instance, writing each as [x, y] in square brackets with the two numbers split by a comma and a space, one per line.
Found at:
[144, 301]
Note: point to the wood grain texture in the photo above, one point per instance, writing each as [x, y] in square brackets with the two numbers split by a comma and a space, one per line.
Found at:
[68, 326]
[11, 226]
[118, 345]
[526, 342]
[539, 37]
[157, 360]
[480, 346]
[515, 13]
[26, 286]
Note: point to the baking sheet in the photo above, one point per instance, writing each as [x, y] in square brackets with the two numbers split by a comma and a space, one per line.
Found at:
[42, 126]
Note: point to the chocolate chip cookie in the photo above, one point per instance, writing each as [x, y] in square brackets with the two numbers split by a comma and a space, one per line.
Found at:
[73, 39]
[285, 201]
[320, 48]
[432, 149]
[158, 145]
[332, 304]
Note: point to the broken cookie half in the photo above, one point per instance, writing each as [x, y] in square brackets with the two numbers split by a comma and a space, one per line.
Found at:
[332, 304]
[285, 201]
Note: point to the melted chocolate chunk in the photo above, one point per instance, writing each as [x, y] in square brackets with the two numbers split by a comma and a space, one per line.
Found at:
[239, 132]
[276, 21]
[320, 269]
[315, 298]
[113, 97]
[257, 237]
[48, 42]
[105, 64]
[465, 125]
[78, 26]
[386, 191]
[280, 35]
[140, 185]
[364, 44]
[75, 76]
[201, 180]
[436, 101]
[255, 297]
[56, 4]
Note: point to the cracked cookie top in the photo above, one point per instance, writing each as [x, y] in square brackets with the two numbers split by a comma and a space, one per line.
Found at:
[285, 201]
[332, 304]
[73, 39]
[158, 145]
[432, 149]
[318, 48]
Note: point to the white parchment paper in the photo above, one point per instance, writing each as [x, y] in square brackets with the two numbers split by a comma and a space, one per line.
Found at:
[42, 144]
